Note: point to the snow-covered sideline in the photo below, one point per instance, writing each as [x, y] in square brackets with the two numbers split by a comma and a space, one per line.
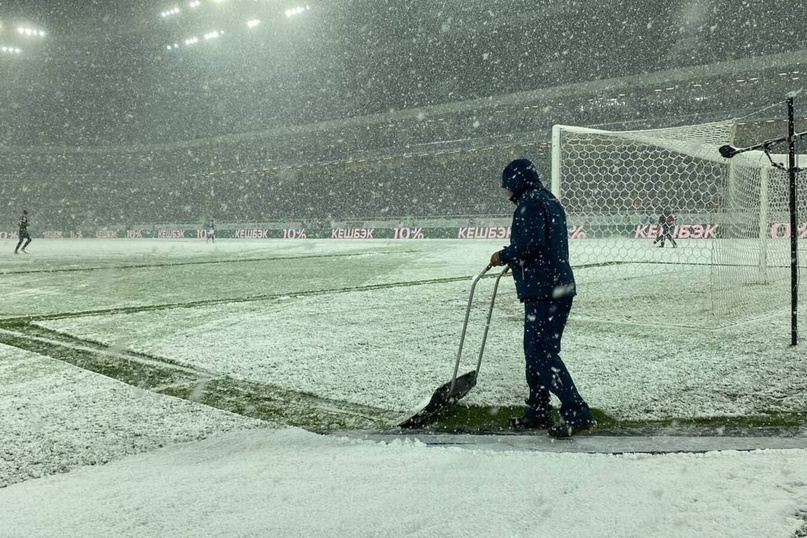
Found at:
[293, 483]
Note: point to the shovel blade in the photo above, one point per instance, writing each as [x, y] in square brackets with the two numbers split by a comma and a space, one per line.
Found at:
[443, 398]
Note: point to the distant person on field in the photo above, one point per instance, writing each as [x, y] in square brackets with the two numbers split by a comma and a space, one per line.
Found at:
[23, 233]
[666, 221]
[210, 230]
[538, 256]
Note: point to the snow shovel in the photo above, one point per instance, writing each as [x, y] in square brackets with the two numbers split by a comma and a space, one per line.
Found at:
[450, 392]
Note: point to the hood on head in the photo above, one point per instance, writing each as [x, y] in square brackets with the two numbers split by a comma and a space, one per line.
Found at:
[520, 176]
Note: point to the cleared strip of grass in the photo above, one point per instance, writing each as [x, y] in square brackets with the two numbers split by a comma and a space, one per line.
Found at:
[265, 402]
[311, 412]
[101, 361]
[484, 419]
[280, 406]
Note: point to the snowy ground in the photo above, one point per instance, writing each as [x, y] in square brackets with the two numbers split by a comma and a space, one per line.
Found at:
[369, 323]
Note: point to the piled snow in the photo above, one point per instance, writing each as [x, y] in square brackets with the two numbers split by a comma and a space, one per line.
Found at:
[293, 483]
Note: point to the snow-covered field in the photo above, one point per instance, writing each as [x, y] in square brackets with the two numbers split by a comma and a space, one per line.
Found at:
[372, 323]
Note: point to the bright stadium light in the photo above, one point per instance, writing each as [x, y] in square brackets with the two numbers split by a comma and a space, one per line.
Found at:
[194, 3]
[252, 23]
[22, 30]
[194, 40]
[291, 12]
[10, 50]
[170, 12]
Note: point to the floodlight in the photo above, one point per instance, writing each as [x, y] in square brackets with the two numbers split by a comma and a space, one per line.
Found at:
[23, 30]
[296, 10]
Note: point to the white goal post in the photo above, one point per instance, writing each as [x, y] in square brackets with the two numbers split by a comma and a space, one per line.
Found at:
[728, 257]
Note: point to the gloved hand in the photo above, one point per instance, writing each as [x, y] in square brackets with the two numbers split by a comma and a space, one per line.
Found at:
[495, 260]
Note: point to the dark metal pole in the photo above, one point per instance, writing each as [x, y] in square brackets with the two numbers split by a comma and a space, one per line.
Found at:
[794, 231]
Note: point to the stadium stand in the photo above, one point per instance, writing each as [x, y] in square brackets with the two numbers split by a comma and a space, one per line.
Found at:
[353, 113]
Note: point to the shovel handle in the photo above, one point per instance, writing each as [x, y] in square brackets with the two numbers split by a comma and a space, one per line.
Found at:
[487, 321]
[465, 323]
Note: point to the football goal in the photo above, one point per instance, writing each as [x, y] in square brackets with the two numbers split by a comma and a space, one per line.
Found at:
[725, 255]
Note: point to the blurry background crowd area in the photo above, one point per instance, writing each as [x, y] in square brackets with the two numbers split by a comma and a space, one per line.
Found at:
[267, 111]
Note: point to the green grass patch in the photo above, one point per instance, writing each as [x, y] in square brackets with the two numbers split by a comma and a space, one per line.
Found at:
[282, 407]
[255, 400]
[100, 361]
[467, 418]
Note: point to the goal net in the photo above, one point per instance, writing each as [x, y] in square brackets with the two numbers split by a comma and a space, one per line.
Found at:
[727, 254]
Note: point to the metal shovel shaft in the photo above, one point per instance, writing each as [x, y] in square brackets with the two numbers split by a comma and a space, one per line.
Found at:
[465, 324]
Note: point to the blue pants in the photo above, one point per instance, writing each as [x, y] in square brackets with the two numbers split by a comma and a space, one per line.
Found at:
[544, 322]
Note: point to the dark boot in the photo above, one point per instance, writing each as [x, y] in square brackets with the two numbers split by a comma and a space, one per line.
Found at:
[574, 419]
[536, 422]
[564, 430]
[537, 416]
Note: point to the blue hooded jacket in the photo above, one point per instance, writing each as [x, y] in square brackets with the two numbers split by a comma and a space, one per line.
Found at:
[538, 254]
